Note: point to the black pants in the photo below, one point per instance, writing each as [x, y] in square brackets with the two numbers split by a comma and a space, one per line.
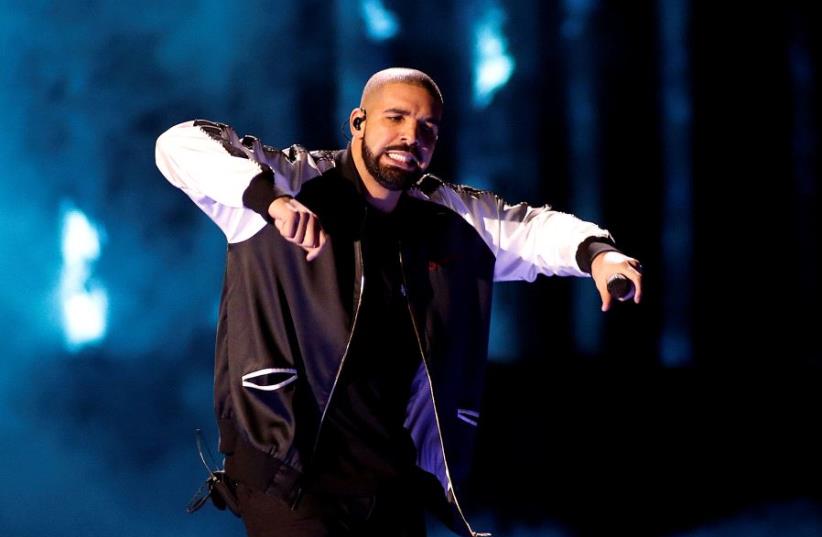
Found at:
[393, 514]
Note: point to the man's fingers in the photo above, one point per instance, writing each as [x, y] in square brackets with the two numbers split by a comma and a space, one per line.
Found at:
[289, 226]
[634, 273]
[298, 225]
[606, 300]
[302, 224]
[314, 252]
[638, 288]
[311, 238]
[604, 296]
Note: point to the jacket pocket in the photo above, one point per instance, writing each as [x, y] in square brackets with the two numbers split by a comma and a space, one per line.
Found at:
[269, 379]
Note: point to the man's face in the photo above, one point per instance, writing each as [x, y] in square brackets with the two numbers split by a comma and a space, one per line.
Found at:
[400, 133]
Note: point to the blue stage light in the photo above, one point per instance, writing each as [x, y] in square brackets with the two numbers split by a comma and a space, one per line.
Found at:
[675, 345]
[380, 23]
[493, 65]
[84, 302]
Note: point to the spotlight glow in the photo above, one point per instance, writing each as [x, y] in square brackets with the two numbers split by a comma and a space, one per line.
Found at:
[380, 23]
[493, 65]
[84, 302]
[81, 242]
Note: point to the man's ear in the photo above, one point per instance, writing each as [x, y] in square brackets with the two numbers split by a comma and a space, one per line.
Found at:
[355, 120]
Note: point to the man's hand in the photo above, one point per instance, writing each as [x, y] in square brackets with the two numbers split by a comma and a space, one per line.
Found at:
[298, 225]
[606, 265]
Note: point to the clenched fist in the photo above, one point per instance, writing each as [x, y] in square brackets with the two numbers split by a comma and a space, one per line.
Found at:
[298, 225]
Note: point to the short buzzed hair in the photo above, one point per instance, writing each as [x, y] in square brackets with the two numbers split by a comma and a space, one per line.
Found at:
[401, 75]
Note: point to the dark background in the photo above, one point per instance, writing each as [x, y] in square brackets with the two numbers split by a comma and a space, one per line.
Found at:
[689, 129]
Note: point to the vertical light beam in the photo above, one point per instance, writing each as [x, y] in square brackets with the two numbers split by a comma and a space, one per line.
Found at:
[804, 141]
[84, 302]
[380, 23]
[677, 224]
[485, 142]
[584, 157]
[493, 65]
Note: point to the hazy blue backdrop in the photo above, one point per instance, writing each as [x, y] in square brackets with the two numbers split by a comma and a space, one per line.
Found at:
[690, 130]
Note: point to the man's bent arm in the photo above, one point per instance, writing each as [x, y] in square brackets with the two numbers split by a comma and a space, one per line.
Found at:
[233, 180]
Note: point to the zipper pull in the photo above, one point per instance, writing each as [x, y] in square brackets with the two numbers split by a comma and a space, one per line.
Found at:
[403, 290]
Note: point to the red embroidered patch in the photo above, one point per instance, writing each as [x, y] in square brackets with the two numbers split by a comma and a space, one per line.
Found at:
[438, 263]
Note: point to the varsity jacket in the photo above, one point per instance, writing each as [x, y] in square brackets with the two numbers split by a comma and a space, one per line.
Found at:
[285, 324]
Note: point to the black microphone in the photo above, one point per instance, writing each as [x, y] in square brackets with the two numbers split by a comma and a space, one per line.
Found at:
[620, 287]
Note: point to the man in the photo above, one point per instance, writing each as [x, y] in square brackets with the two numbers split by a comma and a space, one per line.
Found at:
[353, 325]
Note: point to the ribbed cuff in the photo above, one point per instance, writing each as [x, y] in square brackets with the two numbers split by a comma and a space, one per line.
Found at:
[260, 193]
[592, 247]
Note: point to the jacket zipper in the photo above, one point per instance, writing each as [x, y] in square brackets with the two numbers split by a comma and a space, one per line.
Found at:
[404, 291]
[359, 266]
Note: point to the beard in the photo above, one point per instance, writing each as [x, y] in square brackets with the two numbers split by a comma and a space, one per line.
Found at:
[389, 177]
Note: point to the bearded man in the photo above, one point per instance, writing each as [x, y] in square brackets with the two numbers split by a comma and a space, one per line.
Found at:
[354, 319]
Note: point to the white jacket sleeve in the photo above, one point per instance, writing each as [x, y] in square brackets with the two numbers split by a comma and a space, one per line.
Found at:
[527, 241]
[233, 181]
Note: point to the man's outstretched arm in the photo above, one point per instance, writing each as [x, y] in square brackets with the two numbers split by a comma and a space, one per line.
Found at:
[528, 241]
